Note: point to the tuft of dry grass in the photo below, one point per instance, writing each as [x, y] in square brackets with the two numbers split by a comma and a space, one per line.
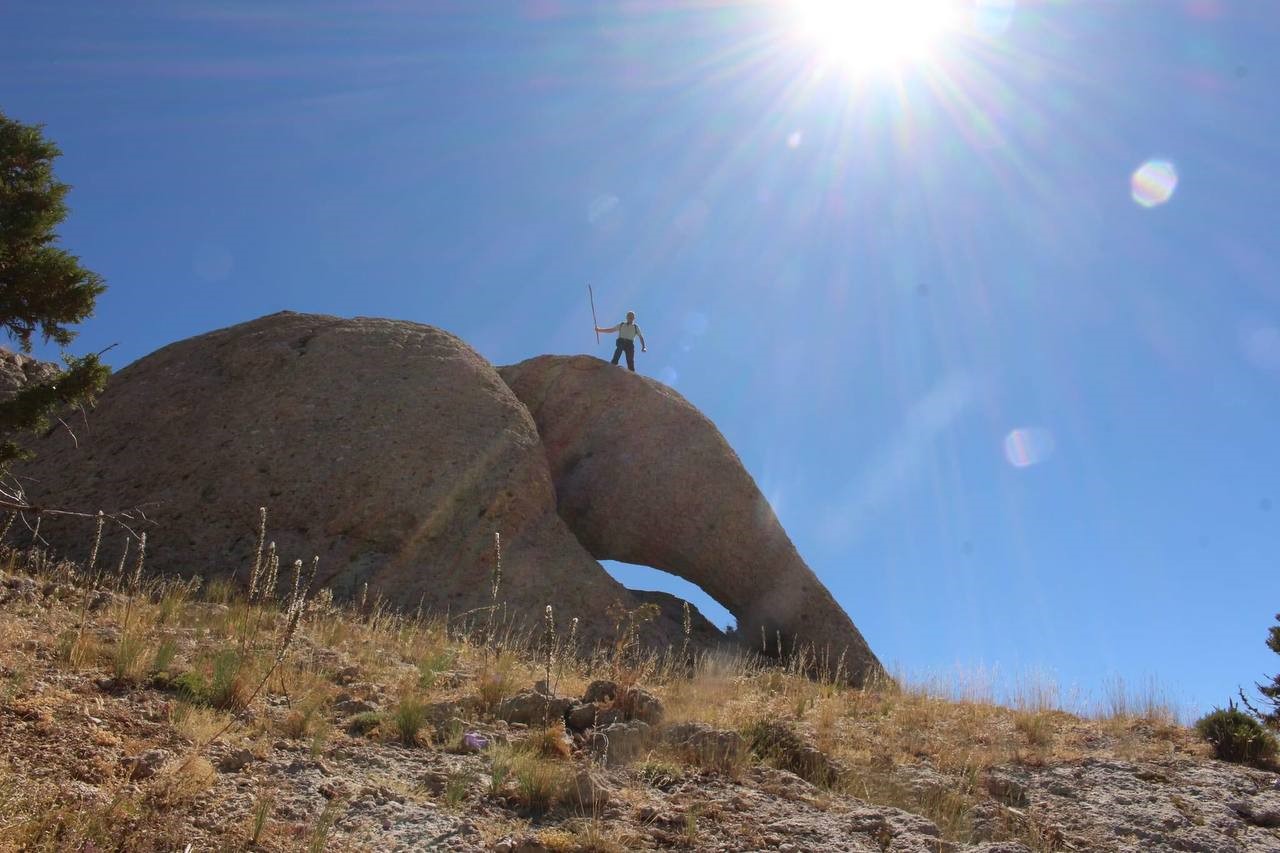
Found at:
[409, 719]
[184, 782]
[534, 782]
[550, 742]
[498, 678]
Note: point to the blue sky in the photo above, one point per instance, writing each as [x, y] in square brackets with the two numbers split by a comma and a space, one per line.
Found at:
[1012, 417]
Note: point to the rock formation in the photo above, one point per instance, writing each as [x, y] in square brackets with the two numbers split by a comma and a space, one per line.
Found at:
[394, 451]
[17, 371]
[643, 477]
[390, 449]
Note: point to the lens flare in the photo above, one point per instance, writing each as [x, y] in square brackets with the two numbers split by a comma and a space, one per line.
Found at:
[1027, 446]
[602, 208]
[865, 34]
[1153, 183]
[993, 17]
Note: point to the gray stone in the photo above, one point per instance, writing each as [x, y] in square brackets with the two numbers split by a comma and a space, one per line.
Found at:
[532, 708]
[590, 790]
[621, 743]
[17, 371]
[19, 588]
[608, 716]
[147, 764]
[705, 746]
[347, 704]
[600, 691]
[235, 760]
[639, 704]
[1261, 809]
[581, 717]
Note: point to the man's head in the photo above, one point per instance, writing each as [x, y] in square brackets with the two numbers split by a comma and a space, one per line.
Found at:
[631, 316]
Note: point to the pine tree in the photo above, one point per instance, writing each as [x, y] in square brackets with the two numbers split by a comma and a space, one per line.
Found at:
[43, 288]
[1270, 692]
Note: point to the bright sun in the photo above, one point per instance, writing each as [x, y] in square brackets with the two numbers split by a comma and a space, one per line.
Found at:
[874, 34]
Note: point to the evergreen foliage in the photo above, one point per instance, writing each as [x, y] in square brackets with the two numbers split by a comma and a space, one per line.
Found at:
[43, 288]
[1236, 736]
[1270, 692]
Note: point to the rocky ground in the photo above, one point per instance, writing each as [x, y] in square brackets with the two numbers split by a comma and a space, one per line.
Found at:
[153, 717]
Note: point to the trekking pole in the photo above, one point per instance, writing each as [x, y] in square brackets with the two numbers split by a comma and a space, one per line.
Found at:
[594, 323]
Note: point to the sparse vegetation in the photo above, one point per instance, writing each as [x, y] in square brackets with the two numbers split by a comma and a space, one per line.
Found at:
[409, 718]
[456, 788]
[364, 723]
[257, 673]
[1236, 736]
[318, 838]
[262, 807]
[1269, 714]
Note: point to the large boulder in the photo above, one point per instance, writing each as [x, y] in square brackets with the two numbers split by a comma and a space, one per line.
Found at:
[17, 371]
[391, 449]
[643, 477]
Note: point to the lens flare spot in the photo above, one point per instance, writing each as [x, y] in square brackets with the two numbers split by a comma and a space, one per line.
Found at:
[669, 376]
[1261, 346]
[695, 322]
[1152, 184]
[602, 209]
[692, 217]
[993, 17]
[1027, 446]
[795, 139]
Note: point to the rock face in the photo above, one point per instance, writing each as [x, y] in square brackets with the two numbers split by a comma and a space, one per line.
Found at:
[390, 449]
[643, 477]
[17, 371]
[394, 452]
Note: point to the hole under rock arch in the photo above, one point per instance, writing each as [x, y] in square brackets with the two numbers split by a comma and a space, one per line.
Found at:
[647, 578]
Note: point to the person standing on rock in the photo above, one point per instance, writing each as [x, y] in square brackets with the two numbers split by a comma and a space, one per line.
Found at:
[627, 331]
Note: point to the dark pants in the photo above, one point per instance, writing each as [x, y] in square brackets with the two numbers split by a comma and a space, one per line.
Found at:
[629, 347]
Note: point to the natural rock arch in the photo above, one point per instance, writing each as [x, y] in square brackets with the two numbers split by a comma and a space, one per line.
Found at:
[643, 477]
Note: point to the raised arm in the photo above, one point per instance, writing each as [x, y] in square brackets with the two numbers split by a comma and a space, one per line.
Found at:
[606, 331]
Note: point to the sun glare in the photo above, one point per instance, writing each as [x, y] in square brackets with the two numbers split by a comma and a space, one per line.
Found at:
[874, 34]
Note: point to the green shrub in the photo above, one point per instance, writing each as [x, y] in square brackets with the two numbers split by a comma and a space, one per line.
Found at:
[540, 782]
[226, 686]
[165, 653]
[1269, 715]
[126, 657]
[408, 718]
[191, 685]
[364, 723]
[1236, 736]
[432, 665]
[228, 683]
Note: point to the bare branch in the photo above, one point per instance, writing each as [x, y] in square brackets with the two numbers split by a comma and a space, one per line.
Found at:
[70, 432]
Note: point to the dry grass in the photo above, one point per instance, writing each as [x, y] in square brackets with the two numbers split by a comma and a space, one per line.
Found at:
[215, 653]
[529, 778]
[197, 724]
